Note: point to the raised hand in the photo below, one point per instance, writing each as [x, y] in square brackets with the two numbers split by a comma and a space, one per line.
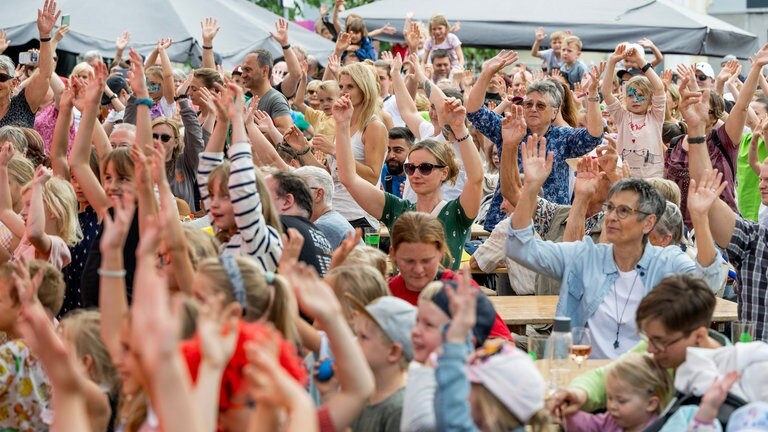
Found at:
[537, 164]
[60, 33]
[453, 114]
[463, 306]
[342, 110]
[323, 144]
[315, 297]
[209, 28]
[702, 196]
[387, 56]
[760, 58]
[342, 43]
[292, 244]
[396, 65]
[694, 105]
[121, 43]
[728, 70]
[619, 53]
[136, 77]
[388, 29]
[4, 41]
[498, 62]
[587, 178]
[280, 35]
[263, 121]
[116, 227]
[412, 36]
[96, 86]
[608, 159]
[7, 151]
[42, 175]
[47, 17]
[666, 77]
[294, 138]
[513, 127]
[715, 396]
[217, 326]
[334, 64]
[164, 43]
[349, 243]
[594, 77]
[540, 35]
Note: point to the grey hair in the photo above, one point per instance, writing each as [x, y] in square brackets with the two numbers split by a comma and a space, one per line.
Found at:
[14, 134]
[126, 127]
[671, 223]
[91, 55]
[649, 200]
[546, 87]
[7, 64]
[318, 178]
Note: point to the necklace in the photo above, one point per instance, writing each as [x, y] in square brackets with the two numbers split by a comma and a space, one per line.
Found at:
[626, 303]
[635, 128]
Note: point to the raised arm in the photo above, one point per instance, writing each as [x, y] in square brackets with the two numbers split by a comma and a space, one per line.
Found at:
[491, 67]
[38, 84]
[169, 87]
[36, 217]
[538, 37]
[121, 43]
[301, 93]
[700, 200]
[587, 181]
[367, 195]
[453, 114]
[758, 132]
[60, 139]
[405, 103]
[8, 217]
[291, 61]
[734, 126]
[610, 71]
[537, 165]
[209, 28]
[726, 72]
[513, 130]
[657, 55]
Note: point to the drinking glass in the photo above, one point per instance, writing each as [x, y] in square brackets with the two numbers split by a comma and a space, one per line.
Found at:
[372, 237]
[582, 345]
[742, 331]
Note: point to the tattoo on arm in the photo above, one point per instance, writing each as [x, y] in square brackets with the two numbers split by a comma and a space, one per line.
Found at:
[427, 88]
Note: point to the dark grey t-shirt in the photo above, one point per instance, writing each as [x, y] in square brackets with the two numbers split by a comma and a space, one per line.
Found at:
[275, 104]
[383, 416]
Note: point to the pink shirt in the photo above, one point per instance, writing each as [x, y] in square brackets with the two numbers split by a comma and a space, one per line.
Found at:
[639, 140]
[603, 422]
[59, 255]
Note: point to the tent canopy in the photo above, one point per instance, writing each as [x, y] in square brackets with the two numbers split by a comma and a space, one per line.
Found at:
[601, 24]
[95, 24]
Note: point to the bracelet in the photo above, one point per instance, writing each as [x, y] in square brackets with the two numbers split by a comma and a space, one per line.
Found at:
[112, 273]
[210, 47]
[181, 96]
[697, 140]
[45, 39]
[114, 96]
[593, 99]
[145, 101]
[305, 151]
[464, 138]
[645, 68]
[286, 46]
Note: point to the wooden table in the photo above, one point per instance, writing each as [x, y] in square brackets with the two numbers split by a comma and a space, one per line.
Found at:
[519, 311]
[476, 231]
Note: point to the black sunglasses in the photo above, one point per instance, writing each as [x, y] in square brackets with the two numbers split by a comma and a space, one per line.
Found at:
[424, 168]
[162, 137]
[701, 77]
[5, 77]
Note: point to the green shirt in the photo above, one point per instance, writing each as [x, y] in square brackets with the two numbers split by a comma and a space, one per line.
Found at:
[456, 224]
[747, 182]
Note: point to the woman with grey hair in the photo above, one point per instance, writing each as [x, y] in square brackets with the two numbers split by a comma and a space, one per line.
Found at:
[20, 109]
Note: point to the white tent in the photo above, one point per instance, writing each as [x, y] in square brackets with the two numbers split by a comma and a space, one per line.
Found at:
[95, 24]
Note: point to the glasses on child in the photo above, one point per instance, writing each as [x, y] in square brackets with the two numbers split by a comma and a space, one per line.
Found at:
[661, 346]
[424, 168]
[622, 211]
[162, 137]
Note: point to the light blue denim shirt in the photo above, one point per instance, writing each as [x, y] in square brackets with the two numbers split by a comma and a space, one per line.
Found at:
[588, 270]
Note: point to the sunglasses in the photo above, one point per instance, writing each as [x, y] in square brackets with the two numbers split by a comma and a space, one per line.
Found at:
[5, 77]
[424, 168]
[162, 137]
[701, 77]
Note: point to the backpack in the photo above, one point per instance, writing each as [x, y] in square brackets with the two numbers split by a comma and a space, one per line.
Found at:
[731, 404]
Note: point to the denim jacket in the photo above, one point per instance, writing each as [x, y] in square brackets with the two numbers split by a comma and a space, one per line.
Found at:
[588, 270]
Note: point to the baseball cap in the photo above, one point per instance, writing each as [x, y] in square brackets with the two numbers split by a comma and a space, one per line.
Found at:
[706, 69]
[238, 70]
[750, 417]
[631, 71]
[726, 59]
[115, 83]
[486, 314]
[395, 317]
[512, 377]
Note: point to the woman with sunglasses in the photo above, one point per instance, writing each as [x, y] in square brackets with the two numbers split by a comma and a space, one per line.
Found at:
[182, 153]
[430, 164]
[20, 110]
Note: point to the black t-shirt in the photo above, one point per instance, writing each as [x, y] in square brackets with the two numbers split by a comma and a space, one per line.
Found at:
[90, 279]
[317, 249]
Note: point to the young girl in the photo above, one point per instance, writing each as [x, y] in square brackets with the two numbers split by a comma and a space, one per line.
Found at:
[640, 121]
[160, 83]
[441, 38]
[48, 222]
[181, 152]
[20, 172]
[232, 191]
[361, 44]
[638, 390]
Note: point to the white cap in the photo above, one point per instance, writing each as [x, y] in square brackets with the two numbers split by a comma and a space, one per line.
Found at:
[706, 69]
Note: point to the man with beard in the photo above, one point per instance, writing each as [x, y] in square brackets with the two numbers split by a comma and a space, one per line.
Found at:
[392, 175]
[256, 73]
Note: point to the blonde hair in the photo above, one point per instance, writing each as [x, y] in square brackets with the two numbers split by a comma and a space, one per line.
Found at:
[269, 301]
[672, 114]
[170, 166]
[328, 85]
[367, 81]
[572, 40]
[155, 71]
[640, 83]
[368, 255]
[667, 188]
[557, 35]
[50, 293]
[439, 20]
[83, 330]
[200, 245]
[443, 153]
[417, 227]
[496, 417]
[82, 67]
[314, 85]
[642, 374]
[21, 170]
[360, 284]
[372, 326]
[60, 200]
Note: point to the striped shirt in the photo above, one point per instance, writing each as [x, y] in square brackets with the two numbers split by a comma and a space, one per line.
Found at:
[254, 238]
[748, 252]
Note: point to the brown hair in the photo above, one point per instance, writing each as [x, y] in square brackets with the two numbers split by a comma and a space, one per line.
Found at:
[417, 227]
[170, 166]
[83, 330]
[356, 24]
[682, 303]
[361, 284]
[667, 188]
[643, 374]
[716, 104]
[444, 154]
[51, 290]
[208, 76]
[122, 162]
[568, 107]
[573, 40]
[439, 20]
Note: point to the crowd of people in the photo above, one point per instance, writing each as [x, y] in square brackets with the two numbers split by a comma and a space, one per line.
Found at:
[182, 250]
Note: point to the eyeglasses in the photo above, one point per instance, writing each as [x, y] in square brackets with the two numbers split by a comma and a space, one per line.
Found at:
[424, 168]
[662, 346]
[540, 106]
[5, 77]
[622, 211]
[701, 77]
[162, 137]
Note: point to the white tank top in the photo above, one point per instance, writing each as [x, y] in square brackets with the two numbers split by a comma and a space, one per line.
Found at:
[342, 200]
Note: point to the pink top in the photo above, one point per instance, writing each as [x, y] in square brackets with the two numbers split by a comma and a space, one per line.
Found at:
[639, 140]
[603, 422]
[59, 255]
[45, 122]
[450, 43]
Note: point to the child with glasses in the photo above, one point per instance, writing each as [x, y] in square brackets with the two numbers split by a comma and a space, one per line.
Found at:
[640, 120]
